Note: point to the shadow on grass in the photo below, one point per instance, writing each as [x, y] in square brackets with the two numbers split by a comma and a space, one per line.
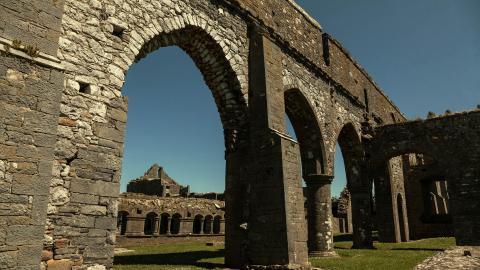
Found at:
[190, 258]
[420, 249]
[349, 237]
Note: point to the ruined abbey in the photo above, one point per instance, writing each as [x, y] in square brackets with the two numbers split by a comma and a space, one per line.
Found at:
[156, 205]
[63, 116]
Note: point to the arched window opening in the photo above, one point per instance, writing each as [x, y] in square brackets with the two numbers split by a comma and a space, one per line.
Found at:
[122, 219]
[347, 176]
[150, 223]
[175, 224]
[302, 125]
[435, 201]
[217, 224]
[207, 225]
[164, 223]
[197, 224]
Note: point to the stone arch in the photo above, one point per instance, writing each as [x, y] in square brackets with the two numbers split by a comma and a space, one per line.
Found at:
[217, 224]
[99, 43]
[358, 184]
[207, 224]
[217, 70]
[175, 223]
[386, 170]
[309, 135]
[164, 223]
[151, 220]
[353, 153]
[197, 224]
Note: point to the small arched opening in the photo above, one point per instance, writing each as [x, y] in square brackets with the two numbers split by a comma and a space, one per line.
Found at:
[164, 223]
[175, 224]
[217, 224]
[122, 219]
[197, 224]
[207, 225]
[150, 222]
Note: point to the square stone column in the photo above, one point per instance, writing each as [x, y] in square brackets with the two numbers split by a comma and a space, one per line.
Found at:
[276, 228]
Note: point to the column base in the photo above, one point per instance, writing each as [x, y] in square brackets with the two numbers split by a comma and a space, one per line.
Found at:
[322, 254]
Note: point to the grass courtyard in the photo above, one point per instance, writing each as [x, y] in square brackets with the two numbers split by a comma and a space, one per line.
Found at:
[185, 256]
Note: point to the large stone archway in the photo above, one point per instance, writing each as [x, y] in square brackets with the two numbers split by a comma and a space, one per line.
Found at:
[92, 99]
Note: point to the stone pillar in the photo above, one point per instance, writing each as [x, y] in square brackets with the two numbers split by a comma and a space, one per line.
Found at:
[276, 225]
[169, 224]
[236, 207]
[385, 210]
[135, 226]
[156, 225]
[319, 203]
[361, 218]
[202, 222]
[349, 225]
[186, 226]
[222, 226]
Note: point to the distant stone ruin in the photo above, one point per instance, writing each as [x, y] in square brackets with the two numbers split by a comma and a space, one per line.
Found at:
[156, 205]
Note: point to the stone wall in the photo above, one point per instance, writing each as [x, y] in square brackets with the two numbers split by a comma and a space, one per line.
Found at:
[30, 86]
[450, 143]
[96, 55]
[32, 23]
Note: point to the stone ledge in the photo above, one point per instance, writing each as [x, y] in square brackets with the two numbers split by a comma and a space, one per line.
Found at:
[43, 59]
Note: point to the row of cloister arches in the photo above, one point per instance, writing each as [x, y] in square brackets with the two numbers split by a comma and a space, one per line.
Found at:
[166, 224]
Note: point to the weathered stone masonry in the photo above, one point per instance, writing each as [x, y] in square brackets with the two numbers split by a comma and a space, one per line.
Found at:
[61, 71]
[450, 144]
[31, 82]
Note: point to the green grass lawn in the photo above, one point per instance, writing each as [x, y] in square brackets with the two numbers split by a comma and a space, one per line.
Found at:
[401, 256]
[171, 256]
[390, 256]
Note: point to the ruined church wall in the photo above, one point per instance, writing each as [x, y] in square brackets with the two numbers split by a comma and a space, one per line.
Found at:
[332, 108]
[302, 37]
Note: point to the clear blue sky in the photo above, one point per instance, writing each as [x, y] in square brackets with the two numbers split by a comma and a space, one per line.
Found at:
[425, 54]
